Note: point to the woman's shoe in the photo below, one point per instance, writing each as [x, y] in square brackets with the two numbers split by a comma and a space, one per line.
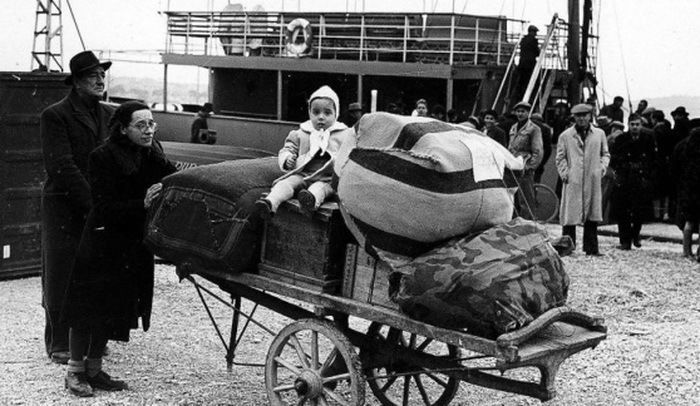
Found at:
[105, 382]
[77, 383]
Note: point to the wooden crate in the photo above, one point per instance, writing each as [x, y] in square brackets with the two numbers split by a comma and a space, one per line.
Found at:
[24, 96]
[366, 279]
[305, 250]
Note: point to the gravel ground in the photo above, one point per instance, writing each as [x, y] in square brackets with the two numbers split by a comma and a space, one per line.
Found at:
[649, 298]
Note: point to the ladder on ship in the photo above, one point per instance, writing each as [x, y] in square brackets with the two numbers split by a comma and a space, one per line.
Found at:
[49, 17]
[548, 80]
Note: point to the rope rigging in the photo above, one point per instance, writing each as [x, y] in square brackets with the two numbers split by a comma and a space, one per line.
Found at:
[75, 22]
[622, 56]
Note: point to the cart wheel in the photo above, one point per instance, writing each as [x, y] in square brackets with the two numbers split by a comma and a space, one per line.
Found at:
[311, 362]
[430, 388]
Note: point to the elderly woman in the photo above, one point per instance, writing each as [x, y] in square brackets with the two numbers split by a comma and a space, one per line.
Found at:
[111, 285]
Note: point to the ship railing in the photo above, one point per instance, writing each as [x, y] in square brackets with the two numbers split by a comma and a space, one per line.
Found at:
[423, 38]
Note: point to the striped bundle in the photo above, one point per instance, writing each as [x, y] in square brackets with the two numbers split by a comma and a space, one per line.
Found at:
[406, 184]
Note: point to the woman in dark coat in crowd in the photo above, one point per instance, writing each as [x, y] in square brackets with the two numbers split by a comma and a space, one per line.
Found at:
[111, 285]
[685, 170]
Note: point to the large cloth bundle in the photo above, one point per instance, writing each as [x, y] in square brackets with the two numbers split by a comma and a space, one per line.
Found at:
[490, 284]
[203, 217]
[409, 183]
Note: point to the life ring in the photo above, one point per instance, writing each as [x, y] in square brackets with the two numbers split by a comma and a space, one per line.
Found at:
[294, 28]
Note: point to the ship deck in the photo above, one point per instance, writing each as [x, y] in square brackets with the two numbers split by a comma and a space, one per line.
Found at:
[421, 45]
[265, 64]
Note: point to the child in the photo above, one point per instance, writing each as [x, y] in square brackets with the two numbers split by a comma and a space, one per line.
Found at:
[307, 157]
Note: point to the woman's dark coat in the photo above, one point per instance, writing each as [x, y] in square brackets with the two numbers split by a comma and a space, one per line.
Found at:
[633, 162]
[112, 281]
[685, 170]
[69, 132]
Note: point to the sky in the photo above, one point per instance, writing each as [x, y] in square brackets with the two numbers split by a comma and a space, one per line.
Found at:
[646, 49]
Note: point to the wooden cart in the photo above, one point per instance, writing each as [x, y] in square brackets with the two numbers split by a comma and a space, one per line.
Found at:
[316, 361]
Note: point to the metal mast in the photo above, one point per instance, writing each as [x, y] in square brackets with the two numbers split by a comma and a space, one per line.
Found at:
[48, 14]
[574, 53]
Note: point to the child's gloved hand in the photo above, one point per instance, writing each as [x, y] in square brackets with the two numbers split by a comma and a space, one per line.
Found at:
[290, 162]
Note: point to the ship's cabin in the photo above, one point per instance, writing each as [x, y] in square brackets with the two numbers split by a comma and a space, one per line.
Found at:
[266, 64]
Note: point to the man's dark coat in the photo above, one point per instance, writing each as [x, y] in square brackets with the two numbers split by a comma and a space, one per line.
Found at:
[634, 165]
[69, 132]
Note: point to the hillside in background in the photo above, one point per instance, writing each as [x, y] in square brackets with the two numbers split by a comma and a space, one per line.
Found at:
[151, 90]
[669, 103]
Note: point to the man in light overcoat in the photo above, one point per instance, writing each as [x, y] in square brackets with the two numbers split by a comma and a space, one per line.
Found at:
[582, 159]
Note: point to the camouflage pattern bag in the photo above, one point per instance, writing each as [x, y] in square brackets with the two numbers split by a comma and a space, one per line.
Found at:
[492, 283]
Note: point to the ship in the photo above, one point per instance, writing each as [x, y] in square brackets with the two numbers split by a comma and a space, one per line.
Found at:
[263, 66]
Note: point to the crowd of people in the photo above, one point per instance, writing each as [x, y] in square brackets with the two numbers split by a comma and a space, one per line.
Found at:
[652, 178]
[645, 157]
[104, 169]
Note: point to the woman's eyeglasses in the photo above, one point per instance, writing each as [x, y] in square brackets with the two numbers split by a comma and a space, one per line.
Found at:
[144, 125]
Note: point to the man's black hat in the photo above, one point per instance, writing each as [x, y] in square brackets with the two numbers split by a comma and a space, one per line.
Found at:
[208, 108]
[84, 61]
[679, 111]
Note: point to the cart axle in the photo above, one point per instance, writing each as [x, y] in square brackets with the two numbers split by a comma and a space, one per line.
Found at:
[308, 384]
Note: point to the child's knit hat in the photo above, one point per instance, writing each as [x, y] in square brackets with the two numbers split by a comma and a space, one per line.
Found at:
[328, 93]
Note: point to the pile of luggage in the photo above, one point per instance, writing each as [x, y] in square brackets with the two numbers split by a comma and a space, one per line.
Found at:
[431, 199]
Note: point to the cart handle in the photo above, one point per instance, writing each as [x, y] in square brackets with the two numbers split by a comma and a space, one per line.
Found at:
[563, 313]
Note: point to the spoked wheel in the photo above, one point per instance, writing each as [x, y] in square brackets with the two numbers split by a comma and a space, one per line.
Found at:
[311, 362]
[546, 203]
[392, 384]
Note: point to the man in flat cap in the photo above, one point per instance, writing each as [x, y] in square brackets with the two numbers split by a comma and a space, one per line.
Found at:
[70, 130]
[582, 160]
[526, 141]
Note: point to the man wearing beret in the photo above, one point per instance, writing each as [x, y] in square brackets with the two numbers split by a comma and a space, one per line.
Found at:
[70, 130]
[582, 160]
[526, 141]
